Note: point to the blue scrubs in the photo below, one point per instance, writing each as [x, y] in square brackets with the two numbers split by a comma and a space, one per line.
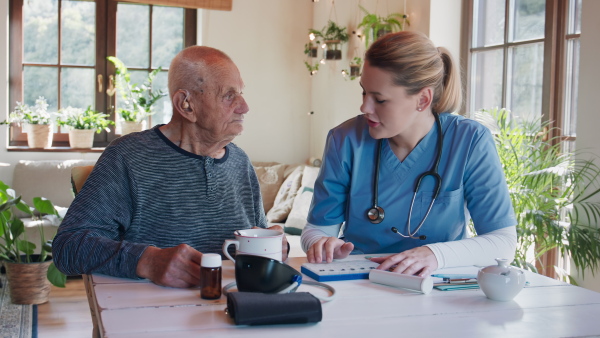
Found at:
[473, 186]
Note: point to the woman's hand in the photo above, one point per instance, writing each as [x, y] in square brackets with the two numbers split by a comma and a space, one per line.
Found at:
[418, 261]
[332, 247]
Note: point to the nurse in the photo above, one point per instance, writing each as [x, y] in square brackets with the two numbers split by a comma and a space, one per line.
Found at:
[364, 197]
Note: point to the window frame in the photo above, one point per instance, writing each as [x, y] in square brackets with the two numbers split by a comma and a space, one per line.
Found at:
[106, 23]
[556, 36]
[554, 79]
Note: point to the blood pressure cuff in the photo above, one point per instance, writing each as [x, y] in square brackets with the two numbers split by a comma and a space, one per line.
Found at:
[254, 308]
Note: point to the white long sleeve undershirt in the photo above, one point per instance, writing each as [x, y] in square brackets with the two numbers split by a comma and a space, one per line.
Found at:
[480, 250]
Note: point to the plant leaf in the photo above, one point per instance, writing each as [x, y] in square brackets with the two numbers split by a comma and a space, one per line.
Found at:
[56, 277]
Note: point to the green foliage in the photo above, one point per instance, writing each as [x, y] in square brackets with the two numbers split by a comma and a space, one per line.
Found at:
[309, 47]
[78, 118]
[14, 246]
[312, 69]
[331, 32]
[37, 114]
[138, 99]
[372, 24]
[552, 193]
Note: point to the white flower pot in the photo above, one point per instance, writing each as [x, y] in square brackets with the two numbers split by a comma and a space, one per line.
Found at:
[39, 135]
[81, 138]
[131, 127]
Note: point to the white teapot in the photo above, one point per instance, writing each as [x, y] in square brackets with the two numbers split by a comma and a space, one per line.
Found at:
[501, 282]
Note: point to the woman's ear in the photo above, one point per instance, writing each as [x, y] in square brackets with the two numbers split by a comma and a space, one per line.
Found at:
[182, 105]
[425, 96]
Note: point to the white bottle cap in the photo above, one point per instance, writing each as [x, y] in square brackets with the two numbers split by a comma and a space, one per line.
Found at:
[211, 260]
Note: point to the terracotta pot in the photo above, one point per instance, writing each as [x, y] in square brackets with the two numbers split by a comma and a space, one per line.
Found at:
[81, 138]
[28, 282]
[131, 127]
[39, 135]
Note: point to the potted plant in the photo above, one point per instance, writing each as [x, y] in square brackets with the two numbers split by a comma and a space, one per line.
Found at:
[83, 124]
[138, 100]
[552, 194]
[310, 49]
[38, 121]
[355, 67]
[29, 275]
[375, 26]
[333, 37]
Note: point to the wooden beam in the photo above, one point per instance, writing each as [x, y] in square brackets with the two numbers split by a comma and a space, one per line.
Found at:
[221, 5]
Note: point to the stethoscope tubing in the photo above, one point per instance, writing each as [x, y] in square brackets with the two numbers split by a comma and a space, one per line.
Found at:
[378, 210]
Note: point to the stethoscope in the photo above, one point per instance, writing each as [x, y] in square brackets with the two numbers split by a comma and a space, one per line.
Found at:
[376, 213]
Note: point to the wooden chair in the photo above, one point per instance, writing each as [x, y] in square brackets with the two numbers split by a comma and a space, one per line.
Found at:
[78, 177]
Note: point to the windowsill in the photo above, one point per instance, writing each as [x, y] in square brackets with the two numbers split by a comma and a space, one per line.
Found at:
[56, 149]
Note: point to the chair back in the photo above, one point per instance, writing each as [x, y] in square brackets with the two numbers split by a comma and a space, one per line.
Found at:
[78, 177]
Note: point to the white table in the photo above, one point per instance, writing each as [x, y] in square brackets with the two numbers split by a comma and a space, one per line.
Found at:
[545, 308]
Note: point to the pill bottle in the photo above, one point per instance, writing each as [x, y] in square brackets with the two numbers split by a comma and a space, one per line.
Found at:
[210, 276]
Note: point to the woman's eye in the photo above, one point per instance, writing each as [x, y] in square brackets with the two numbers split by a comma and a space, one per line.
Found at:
[380, 101]
[363, 93]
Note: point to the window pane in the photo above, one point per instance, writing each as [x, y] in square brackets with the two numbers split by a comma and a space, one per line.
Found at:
[78, 32]
[574, 17]
[77, 87]
[40, 81]
[133, 31]
[525, 80]
[162, 108]
[488, 22]
[571, 88]
[528, 18]
[167, 35]
[486, 80]
[40, 31]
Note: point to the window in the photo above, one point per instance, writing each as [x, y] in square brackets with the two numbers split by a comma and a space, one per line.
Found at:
[523, 55]
[59, 50]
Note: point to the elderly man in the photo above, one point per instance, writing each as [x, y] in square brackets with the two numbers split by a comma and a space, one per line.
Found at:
[159, 198]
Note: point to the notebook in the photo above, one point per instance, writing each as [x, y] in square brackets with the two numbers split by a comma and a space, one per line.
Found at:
[339, 270]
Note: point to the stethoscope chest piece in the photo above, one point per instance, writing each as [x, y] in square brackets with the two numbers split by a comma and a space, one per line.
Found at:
[375, 214]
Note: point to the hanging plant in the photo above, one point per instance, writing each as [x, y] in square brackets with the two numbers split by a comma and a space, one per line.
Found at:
[375, 26]
[333, 37]
[311, 48]
[355, 66]
[312, 69]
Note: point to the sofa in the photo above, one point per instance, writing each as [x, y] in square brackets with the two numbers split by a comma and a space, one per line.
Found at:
[286, 190]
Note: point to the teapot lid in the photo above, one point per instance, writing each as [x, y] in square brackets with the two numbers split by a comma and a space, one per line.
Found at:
[502, 268]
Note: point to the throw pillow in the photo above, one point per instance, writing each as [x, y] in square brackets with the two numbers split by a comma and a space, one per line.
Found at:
[297, 218]
[285, 197]
[309, 176]
[270, 179]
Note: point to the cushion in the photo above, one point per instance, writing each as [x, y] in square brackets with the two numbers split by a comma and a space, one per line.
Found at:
[309, 176]
[50, 179]
[296, 220]
[270, 179]
[285, 196]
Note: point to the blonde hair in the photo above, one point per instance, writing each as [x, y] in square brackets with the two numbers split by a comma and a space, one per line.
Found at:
[415, 63]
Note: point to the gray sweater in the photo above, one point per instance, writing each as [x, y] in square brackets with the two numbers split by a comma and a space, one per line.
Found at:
[144, 190]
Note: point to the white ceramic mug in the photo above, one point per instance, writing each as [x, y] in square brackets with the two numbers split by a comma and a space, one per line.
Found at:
[257, 242]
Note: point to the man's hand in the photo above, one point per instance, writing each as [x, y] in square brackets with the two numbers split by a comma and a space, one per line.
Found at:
[177, 267]
[418, 261]
[284, 242]
[333, 247]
